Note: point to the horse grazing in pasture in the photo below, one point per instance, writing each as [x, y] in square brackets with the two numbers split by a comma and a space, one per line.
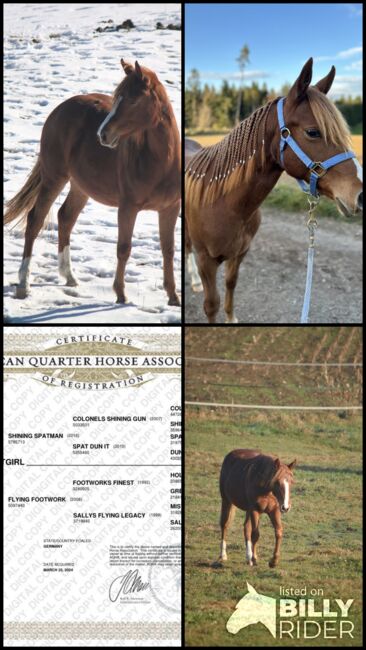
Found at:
[226, 183]
[256, 483]
[121, 150]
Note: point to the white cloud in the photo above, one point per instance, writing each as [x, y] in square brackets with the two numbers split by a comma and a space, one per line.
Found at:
[348, 53]
[345, 54]
[346, 85]
[356, 65]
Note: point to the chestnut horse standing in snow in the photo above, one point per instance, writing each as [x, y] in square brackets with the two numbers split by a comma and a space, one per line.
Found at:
[256, 483]
[121, 150]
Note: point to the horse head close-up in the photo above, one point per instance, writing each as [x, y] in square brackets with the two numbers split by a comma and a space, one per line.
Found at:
[304, 134]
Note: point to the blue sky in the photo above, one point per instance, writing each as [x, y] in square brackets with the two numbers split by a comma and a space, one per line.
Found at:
[281, 37]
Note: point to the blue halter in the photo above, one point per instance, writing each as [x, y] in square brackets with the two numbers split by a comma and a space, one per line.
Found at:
[317, 169]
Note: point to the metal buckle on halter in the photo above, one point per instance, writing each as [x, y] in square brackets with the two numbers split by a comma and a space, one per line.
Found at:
[318, 169]
[284, 128]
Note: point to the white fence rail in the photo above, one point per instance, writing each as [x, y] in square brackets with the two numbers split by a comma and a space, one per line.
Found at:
[277, 408]
[275, 363]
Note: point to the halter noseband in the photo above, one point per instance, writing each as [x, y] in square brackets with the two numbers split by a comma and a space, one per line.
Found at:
[317, 169]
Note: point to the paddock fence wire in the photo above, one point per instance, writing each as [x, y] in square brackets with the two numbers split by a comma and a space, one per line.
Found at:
[214, 383]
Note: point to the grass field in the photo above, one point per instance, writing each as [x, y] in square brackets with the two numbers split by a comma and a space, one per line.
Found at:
[322, 534]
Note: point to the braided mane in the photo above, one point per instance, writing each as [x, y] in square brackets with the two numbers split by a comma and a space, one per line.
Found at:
[220, 168]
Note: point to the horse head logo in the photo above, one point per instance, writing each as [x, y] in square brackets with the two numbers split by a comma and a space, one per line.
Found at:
[253, 608]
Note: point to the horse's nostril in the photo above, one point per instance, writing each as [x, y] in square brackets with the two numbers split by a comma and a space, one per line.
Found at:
[359, 201]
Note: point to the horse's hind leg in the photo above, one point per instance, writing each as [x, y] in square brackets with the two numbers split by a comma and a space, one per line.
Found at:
[167, 221]
[208, 271]
[227, 514]
[67, 216]
[231, 277]
[35, 219]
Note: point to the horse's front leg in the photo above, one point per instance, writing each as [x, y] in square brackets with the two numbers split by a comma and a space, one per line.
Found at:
[126, 222]
[275, 517]
[248, 538]
[255, 534]
[167, 221]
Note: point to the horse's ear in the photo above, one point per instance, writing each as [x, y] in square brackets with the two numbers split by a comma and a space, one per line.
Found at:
[325, 84]
[126, 66]
[251, 589]
[277, 464]
[138, 70]
[298, 91]
[292, 465]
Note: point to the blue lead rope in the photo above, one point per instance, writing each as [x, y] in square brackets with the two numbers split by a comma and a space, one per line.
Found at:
[307, 295]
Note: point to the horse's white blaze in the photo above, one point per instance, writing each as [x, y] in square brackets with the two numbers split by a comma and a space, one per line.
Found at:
[223, 555]
[24, 272]
[359, 168]
[109, 116]
[64, 266]
[193, 271]
[287, 493]
[249, 551]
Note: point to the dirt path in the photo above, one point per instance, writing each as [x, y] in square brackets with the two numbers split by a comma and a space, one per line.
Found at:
[272, 278]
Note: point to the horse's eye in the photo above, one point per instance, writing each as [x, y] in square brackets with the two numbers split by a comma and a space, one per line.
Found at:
[313, 133]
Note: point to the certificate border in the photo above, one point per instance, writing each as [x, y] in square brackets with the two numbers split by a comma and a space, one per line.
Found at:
[88, 631]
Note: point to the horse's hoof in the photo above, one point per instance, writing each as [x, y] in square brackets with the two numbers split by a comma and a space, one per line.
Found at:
[232, 320]
[272, 563]
[223, 559]
[21, 292]
[254, 561]
[197, 288]
[174, 301]
[121, 301]
[250, 562]
[72, 283]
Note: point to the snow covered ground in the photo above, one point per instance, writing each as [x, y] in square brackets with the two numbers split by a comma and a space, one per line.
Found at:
[52, 53]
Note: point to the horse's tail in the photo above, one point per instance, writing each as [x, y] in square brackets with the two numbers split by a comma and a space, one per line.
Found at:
[25, 199]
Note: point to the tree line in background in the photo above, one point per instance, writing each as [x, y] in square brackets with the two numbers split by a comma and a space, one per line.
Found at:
[208, 108]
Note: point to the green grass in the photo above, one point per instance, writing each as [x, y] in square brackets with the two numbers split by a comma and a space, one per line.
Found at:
[357, 130]
[322, 533]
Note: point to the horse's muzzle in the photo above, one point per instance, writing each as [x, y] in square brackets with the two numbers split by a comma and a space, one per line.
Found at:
[284, 510]
[112, 144]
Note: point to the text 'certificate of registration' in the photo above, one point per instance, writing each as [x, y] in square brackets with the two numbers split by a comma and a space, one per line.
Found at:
[92, 464]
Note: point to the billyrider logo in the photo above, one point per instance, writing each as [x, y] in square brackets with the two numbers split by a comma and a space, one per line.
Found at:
[332, 617]
[94, 362]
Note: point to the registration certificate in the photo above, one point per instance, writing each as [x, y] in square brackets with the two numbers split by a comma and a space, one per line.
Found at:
[92, 489]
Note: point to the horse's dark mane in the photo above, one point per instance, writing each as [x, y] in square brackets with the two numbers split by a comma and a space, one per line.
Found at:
[264, 473]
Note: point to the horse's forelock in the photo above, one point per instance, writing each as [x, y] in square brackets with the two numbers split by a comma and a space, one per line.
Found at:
[330, 120]
[264, 470]
[282, 472]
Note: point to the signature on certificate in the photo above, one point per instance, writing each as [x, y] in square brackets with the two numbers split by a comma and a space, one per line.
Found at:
[127, 584]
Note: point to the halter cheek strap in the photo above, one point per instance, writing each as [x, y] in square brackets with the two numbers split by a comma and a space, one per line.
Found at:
[317, 169]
